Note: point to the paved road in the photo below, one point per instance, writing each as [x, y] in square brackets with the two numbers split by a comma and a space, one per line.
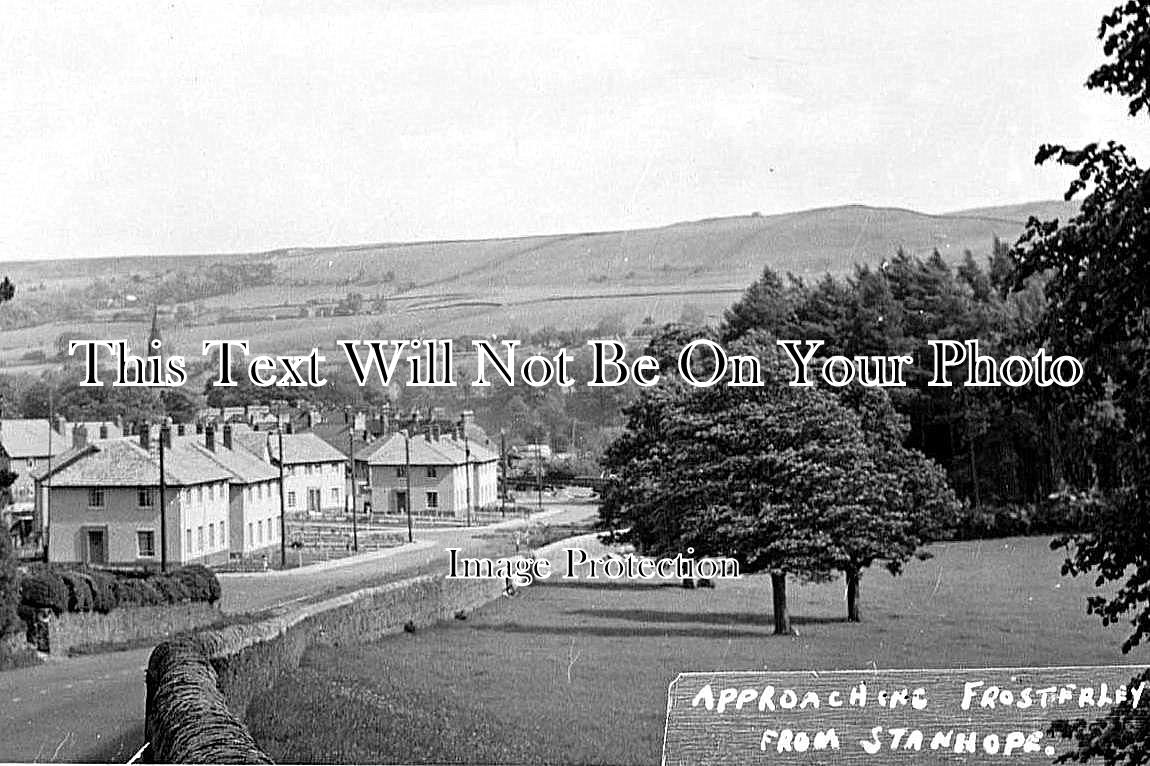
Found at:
[91, 709]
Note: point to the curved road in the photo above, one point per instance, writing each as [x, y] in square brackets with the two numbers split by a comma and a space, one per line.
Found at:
[91, 708]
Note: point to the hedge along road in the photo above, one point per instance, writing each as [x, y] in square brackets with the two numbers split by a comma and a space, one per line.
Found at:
[91, 708]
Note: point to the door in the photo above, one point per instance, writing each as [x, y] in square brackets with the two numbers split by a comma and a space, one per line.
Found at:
[313, 501]
[400, 501]
[97, 546]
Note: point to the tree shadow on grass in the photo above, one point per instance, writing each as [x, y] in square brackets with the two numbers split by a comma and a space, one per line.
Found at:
[607, 585]
[705, 618]
[620, 631]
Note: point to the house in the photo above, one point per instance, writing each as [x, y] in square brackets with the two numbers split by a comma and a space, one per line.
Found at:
[253, 491]
[446, 471]
[104, 499]
[315, 473]
[350, 438]
[30, 444]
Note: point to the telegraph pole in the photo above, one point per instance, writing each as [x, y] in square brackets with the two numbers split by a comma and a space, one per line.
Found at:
[503, 472]
[350, 420]
[165, 434]
[283, 507]
[539, 474]
[466, 465]
[407, 476]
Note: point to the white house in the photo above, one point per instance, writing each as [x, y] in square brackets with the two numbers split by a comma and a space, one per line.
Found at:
[446, 472]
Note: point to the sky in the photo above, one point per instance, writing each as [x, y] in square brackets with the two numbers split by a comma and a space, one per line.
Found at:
[163, 128]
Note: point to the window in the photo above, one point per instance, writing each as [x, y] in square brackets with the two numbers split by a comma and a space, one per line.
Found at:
[31, 464]
[247, 494]
[260, 491]
[431, 472]
[261, 532]
[187, 497]
[188, 540]
[251, 537]
[291, 499]
[200, 494]
[401, 471]
[335, 494]
[95, 498]
[211, 536]
[199, 538]
[146, 498]
[211, 492]
[432, 499]
[309, 469]
[145, 543]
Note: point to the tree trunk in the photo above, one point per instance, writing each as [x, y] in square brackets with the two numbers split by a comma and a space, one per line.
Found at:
[779, 598]
[854, 575]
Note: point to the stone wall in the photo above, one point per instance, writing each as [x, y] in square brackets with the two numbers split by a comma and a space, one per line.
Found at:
[127, 624]
[199, 688]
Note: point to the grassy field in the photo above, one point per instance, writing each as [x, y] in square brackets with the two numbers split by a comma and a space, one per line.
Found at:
[577, 672]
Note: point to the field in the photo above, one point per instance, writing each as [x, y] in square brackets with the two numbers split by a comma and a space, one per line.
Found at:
[577, 672]
[449, 289]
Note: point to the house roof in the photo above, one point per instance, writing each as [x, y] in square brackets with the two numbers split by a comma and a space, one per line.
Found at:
[443, 451]
[304, 448]
[124, 463]
[29, 438]
[244, 466]
[335, 434]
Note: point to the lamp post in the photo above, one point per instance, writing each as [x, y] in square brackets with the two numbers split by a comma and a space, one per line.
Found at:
[350, 420]
[407, 477]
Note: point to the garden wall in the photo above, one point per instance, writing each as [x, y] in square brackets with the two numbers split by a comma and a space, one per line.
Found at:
[133, 623]
[199, 688]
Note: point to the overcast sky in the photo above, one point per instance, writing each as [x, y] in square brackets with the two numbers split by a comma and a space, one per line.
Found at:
[216, 127]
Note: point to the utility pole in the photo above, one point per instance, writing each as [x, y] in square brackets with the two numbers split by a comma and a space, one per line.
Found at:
[283, 507]
[407, 477]
[539, 474]
[350, 420]
[165, 434]
[466, 465]
[503, 472]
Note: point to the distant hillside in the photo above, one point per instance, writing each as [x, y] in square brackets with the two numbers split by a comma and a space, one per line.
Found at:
[478, 287]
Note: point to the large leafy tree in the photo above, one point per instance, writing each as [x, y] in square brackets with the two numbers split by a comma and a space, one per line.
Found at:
[786, 480]
[1098, 287]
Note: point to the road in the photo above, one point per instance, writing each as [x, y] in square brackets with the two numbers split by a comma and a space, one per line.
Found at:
[91, 709]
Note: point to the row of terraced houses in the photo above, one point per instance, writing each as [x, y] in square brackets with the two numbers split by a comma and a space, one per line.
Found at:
[90, 492]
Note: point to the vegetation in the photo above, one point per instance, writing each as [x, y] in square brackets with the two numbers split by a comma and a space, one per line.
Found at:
[83, 589]
[9, 593]
[1099, 309]
[786, 480]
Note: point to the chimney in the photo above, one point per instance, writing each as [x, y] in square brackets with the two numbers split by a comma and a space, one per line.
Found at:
[103, 430]
[145, 430]
[166, 435]
[79, 436]
[227, 436]
[210, 438]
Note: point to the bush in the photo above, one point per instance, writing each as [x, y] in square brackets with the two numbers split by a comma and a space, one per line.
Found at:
[137, 592]
[9, 589]
[201, 582]
[44, 589]
[80, 597]
[105, 595]
[170, 588]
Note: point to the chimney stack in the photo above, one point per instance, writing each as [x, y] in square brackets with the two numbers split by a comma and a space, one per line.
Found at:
[210, 438]
[227, 436]
[79, 436]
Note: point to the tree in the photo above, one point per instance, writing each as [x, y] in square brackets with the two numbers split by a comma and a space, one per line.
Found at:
[1098, 289]
[768, 305]
[765, 475]
[9, 591]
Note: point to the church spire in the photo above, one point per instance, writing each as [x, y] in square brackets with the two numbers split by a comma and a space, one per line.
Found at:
[154, 338]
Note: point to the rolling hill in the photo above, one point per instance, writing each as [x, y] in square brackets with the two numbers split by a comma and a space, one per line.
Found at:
[566, 280]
